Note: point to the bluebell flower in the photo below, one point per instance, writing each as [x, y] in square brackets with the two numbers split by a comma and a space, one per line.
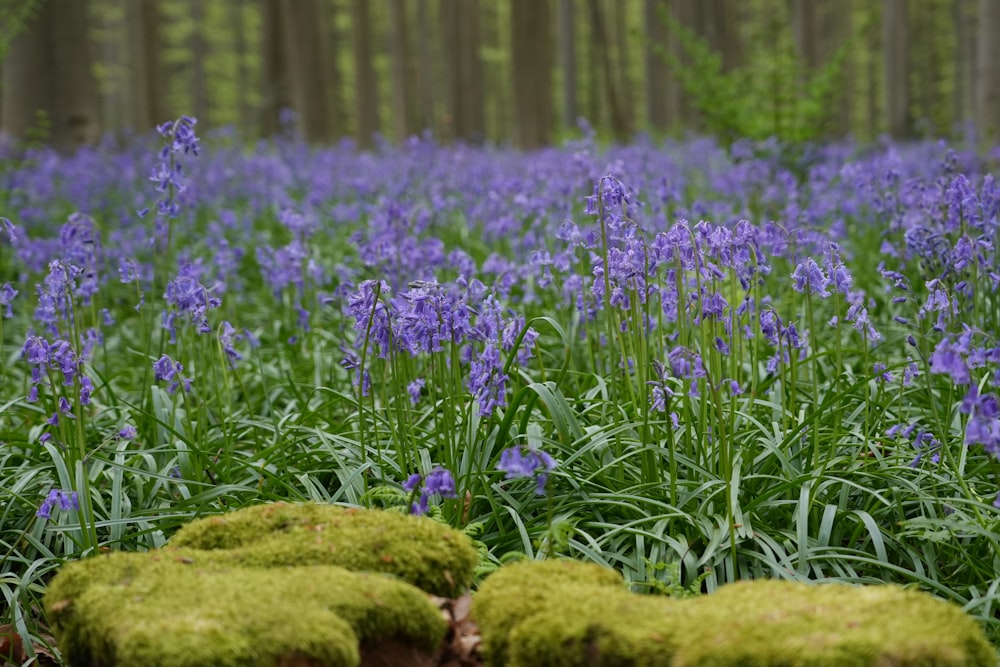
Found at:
[57, 499]
[7, 294]
[437, 482]
[414, 390]
[808, 275]
[517, 462]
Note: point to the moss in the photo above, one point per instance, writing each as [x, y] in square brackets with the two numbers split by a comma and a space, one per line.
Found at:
[520, 592]
[776, 622]
[566, 615]
[427, 554]
[147, 609]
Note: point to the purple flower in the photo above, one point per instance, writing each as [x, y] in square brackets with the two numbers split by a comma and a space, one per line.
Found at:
[948, 360]
[169, 370]
[7, 294]
[530, 462]
[413, 482]
[438, 481]
[128, 432]
[810, 275]
[487, 381]
[57, 499]
[414, 389]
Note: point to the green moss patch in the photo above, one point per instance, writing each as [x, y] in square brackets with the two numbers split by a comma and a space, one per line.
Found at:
[146, 609]
[281, 584]
[566, 614]
[427, 554]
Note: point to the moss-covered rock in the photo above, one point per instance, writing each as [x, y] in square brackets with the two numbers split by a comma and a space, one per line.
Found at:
[282, 584]
[788, 623]
[429, 555]
[157, 611]
[563, 615]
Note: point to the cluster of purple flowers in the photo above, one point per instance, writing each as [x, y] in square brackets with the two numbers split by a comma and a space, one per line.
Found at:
[427, 317]
[168, 370]
[58, 499]
[437, 482]
[520, 462]
[188, 298]
[168, 174]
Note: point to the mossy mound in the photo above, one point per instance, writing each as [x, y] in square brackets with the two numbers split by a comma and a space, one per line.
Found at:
[427, 554]
[160, 611]
[566, 614]
[789, 623]
[283, 584]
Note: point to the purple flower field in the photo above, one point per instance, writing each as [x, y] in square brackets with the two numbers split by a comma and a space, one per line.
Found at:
[677, 359]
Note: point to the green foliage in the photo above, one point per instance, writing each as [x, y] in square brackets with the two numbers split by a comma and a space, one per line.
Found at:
[665, 579]
[773, 95]
[14, 16]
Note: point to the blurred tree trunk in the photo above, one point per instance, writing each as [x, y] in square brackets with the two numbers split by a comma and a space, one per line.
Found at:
[274, 72]
[679, 105]
[333, 74]
[448, 25]
[596, 99]
[965, 60]
[807, 32]
[567, 61]
[623, 73]
[819, 28]
[896, 28]
[48, 69]
[425, 67]
[657, 71]
[531, 54]
[199, 53]
[531, 40]
[365, 89]
[471, 95]
[304, 62]
[237, 19]
[720, 28]
[145, 73]
[403, 98]
[620, 118]
[988, 70]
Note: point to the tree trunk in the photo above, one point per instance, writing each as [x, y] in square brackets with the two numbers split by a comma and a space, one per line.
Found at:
[471, 92]
[567, 60]
[237, 17]
[806, 31]
[988, 70]
[145, 72]
[48, 69]
[965, 60]
[679, 105]
[199, 53]
[450, 55]
[620, 121]
[404, 121]
[333, 74]
[365, 90]
[274, 72]
[895, 25]
[657, 71]
[425, 67]
[304, 60]
[531, 41]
